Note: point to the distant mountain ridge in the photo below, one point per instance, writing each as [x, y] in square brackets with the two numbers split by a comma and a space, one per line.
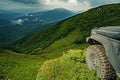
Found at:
[28, 23]
[4, 22]
[45, 17]
[9, 15]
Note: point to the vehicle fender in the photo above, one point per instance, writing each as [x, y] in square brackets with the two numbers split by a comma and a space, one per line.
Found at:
[112, 48]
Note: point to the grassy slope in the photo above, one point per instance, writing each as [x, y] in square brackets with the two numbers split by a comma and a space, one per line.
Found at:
[16, 66]
[69, 33]
[70, 66]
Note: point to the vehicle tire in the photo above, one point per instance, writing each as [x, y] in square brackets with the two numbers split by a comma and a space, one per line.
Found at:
[97, 60]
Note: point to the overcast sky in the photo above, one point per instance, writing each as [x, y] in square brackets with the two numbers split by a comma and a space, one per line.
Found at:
[74, 5]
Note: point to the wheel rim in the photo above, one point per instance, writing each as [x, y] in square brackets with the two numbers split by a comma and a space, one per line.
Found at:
[96, 64]
[95, 61]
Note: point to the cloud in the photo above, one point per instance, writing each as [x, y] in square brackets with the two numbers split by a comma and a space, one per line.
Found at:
[74, 5]
[102, 2]
[19, 21]
[8, 5]
[26, 1]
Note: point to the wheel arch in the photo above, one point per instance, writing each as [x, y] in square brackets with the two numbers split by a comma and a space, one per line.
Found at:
[92, 41]
[111, 51]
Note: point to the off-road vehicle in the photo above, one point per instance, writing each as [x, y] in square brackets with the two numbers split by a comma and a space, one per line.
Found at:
[103, 53]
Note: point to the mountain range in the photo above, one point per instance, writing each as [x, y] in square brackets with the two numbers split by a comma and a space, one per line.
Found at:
[69, 33]
[44, 17]
[15, 25]
[9, 15]
[4, 22]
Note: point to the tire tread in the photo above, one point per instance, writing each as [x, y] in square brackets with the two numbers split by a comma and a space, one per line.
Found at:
[106, 70]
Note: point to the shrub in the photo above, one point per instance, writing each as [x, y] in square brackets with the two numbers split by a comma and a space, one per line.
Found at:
[70, 66]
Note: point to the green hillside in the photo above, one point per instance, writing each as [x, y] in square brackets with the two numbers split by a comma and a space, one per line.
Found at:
[69, 33]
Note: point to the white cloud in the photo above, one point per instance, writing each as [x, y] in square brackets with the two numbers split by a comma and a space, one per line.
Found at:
[7, 5]
[73, 1]
[73, 5]
[19, 21]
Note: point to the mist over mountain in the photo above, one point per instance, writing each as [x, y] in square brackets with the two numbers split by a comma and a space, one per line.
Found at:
[44, 17]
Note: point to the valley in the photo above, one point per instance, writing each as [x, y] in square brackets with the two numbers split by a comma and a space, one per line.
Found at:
[57, 50]
[14, 26]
